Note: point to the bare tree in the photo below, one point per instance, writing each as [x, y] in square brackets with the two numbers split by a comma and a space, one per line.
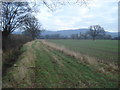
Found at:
[11, 16]
[96, 30]
[31, 26]
[52, 5]
[11, 13]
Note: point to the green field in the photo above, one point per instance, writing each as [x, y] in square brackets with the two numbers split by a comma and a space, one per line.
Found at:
[41, 66]
[58, 70]
[100, 49]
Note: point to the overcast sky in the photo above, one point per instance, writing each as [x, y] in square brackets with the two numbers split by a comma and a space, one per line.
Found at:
[97, 12]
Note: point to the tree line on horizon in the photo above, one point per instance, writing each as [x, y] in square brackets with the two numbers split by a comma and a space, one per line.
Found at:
[95, 32]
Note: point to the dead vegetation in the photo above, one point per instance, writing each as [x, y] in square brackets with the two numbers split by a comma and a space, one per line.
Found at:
[99, 65]
[11, 50]
[22, 74]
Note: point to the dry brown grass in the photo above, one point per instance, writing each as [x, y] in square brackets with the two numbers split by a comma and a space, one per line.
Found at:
[23, 75]
[11, 50]
[108, 67]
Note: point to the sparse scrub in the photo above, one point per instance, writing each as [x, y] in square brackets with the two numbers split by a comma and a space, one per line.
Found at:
[11, 50]
[14, 41]
[22, 73]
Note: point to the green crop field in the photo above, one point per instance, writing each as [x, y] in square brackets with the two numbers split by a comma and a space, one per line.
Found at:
[100, 49]
[41, 66]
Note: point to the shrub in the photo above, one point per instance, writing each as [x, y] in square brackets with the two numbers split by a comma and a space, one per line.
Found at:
[11, 49]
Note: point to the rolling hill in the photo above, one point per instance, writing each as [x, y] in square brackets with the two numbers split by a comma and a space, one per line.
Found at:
[67, 33]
